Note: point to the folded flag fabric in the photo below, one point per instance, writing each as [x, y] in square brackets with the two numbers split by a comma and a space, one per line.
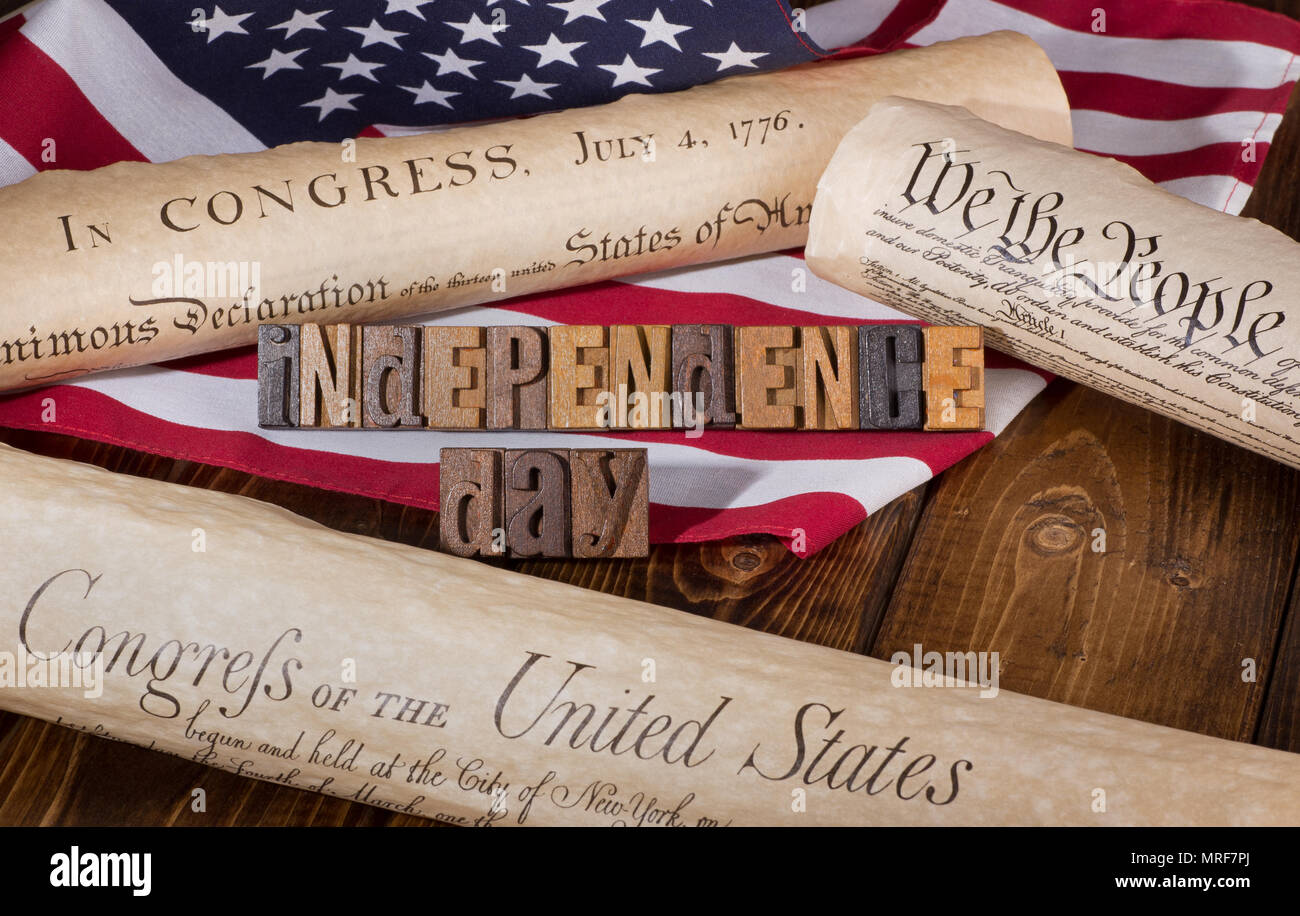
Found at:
[1190, 93]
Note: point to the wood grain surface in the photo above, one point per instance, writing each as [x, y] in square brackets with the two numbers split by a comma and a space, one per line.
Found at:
[1198, 574]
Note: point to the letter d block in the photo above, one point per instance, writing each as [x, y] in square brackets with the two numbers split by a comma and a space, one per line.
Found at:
[537, 502]
[954, 378]
[277, 375]
[611, 502]
[470, 501]
[703, 368]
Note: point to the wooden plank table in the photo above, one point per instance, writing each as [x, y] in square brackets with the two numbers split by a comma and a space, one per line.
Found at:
[1198, 581]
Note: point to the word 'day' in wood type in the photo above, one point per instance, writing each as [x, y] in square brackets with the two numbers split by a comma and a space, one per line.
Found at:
[277, 375]
[537, 502]
[329, 373]
[769, 373]
[516, 377]
[830, 377]
[611, 502]
[890, 362]
[455, 377]
[954, 377]
[544, 502]
[390, 373]
[470, 517]
[703, 365]
[579, 375]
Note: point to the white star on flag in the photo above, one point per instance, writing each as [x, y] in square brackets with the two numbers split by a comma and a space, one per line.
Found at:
[354, 66]
[376, 34]
[332, 101]
[220, 23]
[734, 57]
[406, 6]
[476, 30]
[658, 29]
[450, 62]
[427, 93]
[526, 85]
[301, 22]
[629, 72]
[576, 9]
[277, 61]
[555, 51]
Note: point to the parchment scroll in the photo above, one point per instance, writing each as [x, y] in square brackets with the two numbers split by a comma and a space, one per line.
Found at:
[1071, 262]
[137, 263]
[236, 634]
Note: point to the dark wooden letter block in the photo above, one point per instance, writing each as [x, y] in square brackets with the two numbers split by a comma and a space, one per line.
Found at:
[890, 360]
[769, 377]
[329, 365]
[537, 502]
[954, 378]
[611, 502]
[703, 365]
[830, 376]
[640, 378]
[455, 383]
[579, 377]
[277, 375]
[390, 366]
[470, 521]
[516, 377]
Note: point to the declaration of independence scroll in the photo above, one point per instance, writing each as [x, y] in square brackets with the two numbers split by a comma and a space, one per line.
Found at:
[1072, 262]
[137, 263]
[454, 690]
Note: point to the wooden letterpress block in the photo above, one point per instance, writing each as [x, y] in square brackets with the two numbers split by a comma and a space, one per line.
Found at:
[329, 373]
[277, 375]
[769, 377]
[390, 367]
[830, 376]
[537, 502]
[889, 363]
[470, 519]
[455, 377]
[703, 365]
[579, 376]
[516, 377]
[640, 375]
[611, 502]
[954, 378]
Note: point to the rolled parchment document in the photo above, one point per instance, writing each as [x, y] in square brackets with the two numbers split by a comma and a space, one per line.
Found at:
[236, 634]
[1071, 262]
[137, 263]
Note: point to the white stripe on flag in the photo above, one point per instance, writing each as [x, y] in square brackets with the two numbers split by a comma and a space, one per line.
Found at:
[841, 23]
[1218, 192]
[684, 475]
[158, 114]
[1187, 61]
[1118, 135]
[14, 166]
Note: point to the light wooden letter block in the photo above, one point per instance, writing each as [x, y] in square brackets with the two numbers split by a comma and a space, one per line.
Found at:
[516, 377]
[390, 367]
[329, 373]
[579, 378]
[611, 502]
[277, 375]
[455, 377]
[830, 377]
[769, 377]
[954, 378]
[537, 502]
[470, 519]
[641, 377]
[703, 366]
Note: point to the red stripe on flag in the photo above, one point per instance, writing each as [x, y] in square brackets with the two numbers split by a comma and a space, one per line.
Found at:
[1217, 159]
[1209, 20]
[43, 103]
[1155, 100]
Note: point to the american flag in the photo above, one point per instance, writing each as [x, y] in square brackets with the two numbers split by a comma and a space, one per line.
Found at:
[1190, 92]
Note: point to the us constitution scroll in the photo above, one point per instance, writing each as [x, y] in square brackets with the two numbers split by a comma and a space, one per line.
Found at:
[137, 263]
